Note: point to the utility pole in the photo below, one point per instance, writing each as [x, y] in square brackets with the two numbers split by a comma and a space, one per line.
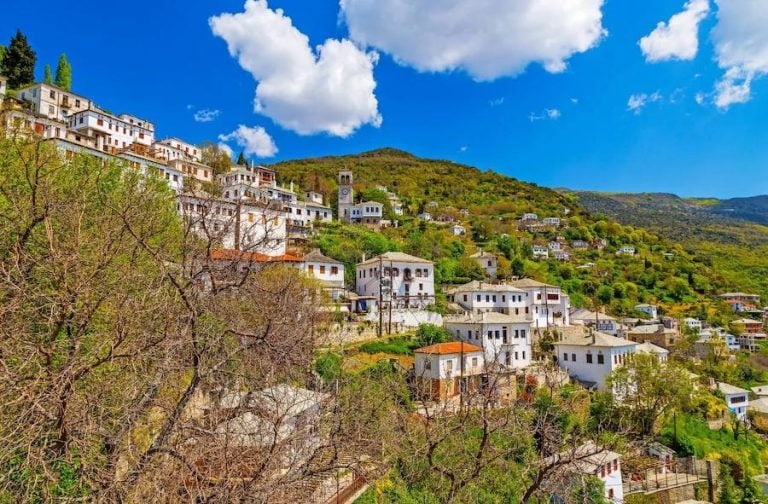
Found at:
[391, 286]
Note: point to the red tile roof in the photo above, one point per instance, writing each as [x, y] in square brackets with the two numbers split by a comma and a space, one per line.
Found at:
[239, 255]
[452, 347]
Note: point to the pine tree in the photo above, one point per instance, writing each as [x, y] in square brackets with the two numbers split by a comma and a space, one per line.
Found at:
[47, 77]
[64, 73]
[2, 51]
[241, 159]
[19, 62]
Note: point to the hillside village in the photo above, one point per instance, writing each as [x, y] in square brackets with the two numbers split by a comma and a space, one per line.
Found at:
[513, 305]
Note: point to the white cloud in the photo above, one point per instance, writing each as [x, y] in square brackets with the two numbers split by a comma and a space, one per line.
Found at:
[496, 102]
[638, 101]
[254, 140]
[226, 148]
[575, 101]
[679, 38]
[486, 38]
[308, 90]
[700, 98]
[551, 114]
[463, 148]
[741, 48]
[206, 115]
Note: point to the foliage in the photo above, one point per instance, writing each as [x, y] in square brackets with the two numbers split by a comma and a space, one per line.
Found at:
[241, 159]
[215, 157]
[328, 366]
[47, 77]
[18, 63]
[64, 73]
[429, 334]
[399, 345]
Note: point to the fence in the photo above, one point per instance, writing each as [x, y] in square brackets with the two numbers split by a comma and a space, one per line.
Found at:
[670, 474]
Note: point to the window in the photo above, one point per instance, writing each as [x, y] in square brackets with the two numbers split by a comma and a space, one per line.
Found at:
[589, 358]
[53, 94]
[334, 270]
[478, 298]
[573, 357]
[474, 361]
[465, 298]
[427, 365]
[77, 103]
[610, 493]
[51, 110]
[565, 356]
[322, 270]
[516, 357]
[311, 268]
[600, 359]
[449, 366]
[99, 122]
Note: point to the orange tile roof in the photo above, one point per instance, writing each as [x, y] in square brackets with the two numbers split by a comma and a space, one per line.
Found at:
[239, 255]
[452, 347]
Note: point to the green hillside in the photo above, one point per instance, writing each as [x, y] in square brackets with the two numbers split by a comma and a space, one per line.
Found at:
[681, 281]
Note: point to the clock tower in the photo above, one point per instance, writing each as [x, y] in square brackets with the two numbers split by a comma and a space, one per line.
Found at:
[346, 199]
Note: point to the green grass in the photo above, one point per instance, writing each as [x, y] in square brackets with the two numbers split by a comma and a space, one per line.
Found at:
[397, 346]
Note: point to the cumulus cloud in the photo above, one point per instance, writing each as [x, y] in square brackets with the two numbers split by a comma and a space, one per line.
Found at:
[206, 115]
[741, 48]
[678, 38]
[309, 90]
[254, 140]
[486, 38]
[551, 114]
[638, 101]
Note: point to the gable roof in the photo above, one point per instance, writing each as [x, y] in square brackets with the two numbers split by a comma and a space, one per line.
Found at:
[477, 286]
[727, 388]
[530, 282]
[649, 348]
[485, 318]
[316, 256]
[396, 257]
[451, 347]
[238, 255]
[584, 314]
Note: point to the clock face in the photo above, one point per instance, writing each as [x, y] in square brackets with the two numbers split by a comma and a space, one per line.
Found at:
[344, 191]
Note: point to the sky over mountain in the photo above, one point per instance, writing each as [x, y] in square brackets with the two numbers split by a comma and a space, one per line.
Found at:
[635, 96]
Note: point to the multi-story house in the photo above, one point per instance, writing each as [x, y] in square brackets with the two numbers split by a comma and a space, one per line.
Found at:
[693, 324]
[549, 306]
[505, 339]
[478, 297]
[579, 244]
[251, 227]
[737, 399]
[741, 301]
[368, 213]
[53, 102]
[590, 460]
[540, 252]
[626, 250]
[590, 357]
[406, 280]
[649, 309]
[551, 221]
[329, 272]
[457, 230]
[597, 321]
[174, 148]
[112, 133]
[446, 370]
[529, 217]
[657, 334]
[489, 262]
[192, 169]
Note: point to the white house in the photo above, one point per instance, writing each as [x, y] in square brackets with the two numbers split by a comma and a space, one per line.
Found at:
[147, 164]
[113, 132]
[457, 230]
[589, 459]
[649, 309]
[549, 306]
[626, 250]
[579, 244]
[477, 297]
[554, 245]
[369, 213]
[53, 102]
[3, 87]
[489, 262]
[590, 358]
[737, 399]
[648, 348]
[540, 251]
[192, 169]
[329, 272]
[425, 216]
[561, 255]
[445, 370]
[410, 280]
[174, 148]
[598, 321]
[551, 221]
[694, 324]
[529, 217]
[505, 339]
[241, 226]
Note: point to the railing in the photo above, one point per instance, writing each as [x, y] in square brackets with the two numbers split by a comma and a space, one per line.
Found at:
[679, 472]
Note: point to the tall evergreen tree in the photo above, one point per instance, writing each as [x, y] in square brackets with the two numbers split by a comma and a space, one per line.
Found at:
[2, 51]
[47, 77]
[64, 73]
[18, 63]
[241, 159]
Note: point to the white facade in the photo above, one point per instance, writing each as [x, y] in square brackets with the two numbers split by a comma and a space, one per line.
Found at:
[53, 102]
[479, 297]
[174, 177]
[649, 309]
[529, 217]
[368, 212]
[598, 321]
[505, 339]
[694, 324]
[551, 221]
[489, 262]
[251, 228]
[192, 169]
[456, 230]
[590, 358]
[411, 279]
[549, 306]
[113, 132]
[425, 216]
[627, 250]
[174, 148]
[329, 272]
[540, 252]
[314, 197]
[737, 399]
[446, 364]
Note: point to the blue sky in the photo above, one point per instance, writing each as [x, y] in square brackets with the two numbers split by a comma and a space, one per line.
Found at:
[162, 60]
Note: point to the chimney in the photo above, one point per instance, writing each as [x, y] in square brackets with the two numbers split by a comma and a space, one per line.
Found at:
[363, 257]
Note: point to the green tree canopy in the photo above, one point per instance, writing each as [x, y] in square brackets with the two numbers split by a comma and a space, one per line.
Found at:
[241, 159]
[47, 77]
[64, 73]
[18, 63]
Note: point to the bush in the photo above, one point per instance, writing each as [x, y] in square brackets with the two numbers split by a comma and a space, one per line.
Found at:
[398, 346]
[328, 366]
[429, 334]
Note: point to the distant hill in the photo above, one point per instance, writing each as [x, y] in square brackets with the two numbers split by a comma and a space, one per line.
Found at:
[733, 221]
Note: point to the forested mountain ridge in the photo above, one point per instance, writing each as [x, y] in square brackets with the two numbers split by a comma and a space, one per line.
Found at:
[495, 203]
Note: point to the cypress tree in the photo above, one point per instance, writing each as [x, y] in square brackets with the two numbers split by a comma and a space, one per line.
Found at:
[2, 51]
[241, 159]
[47, 77]
[64, 73]
[19, 62]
